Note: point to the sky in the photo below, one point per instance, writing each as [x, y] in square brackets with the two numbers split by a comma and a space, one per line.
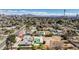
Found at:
[39, 11]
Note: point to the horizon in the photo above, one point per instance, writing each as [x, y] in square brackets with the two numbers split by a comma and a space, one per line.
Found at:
[40, 12]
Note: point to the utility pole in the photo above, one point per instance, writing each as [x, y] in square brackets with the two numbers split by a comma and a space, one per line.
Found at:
[64, 13]
[77, 16]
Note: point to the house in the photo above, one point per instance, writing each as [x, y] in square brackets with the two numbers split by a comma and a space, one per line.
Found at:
[18, 39]
[67, 46]
[10, 28]
[37, 39]
[41, 33]
[47, 28]
[33, 29]
[27, 40]
[57, 32]
[56, 42]
[45, 33]
[47, 42]
[53, 42]
[75, 39]
[2, 32]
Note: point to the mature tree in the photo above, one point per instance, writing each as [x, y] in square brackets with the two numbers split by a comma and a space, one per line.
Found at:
[60, 21]
[10, 39]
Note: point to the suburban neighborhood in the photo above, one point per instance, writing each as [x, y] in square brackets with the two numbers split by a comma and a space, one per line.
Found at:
[31, 32]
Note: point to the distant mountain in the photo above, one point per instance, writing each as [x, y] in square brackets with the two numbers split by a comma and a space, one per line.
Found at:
[29, 15]
[52, 16]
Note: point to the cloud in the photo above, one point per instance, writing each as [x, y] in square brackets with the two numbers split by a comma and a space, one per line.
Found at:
[71, 14]
[20, 12]
[39, 13]
[45, 13]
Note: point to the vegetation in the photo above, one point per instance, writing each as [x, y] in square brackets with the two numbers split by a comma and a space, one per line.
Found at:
[66, 25]
[9, 41]
[12, 38]
[61, 21]
[8, 32]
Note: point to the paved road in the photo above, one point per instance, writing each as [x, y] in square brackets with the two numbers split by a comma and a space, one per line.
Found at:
[3, 43]
[73, 43]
